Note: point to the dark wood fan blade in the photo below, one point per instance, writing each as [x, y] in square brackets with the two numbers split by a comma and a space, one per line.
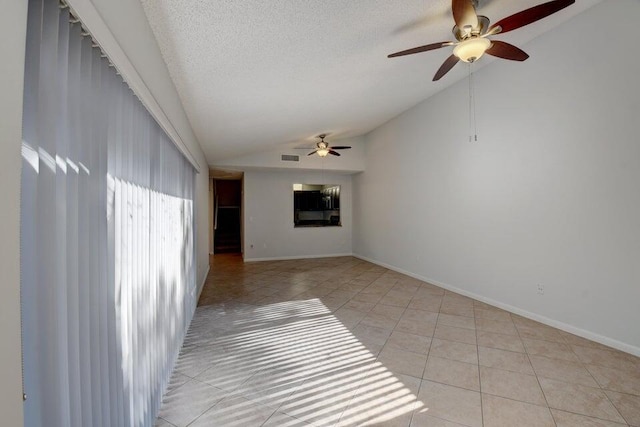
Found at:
[419, 49]
[506, 51]
[464, 13]
[531, 15]
[341, 147]
[312, 153]
[444, 69]
[335, 153]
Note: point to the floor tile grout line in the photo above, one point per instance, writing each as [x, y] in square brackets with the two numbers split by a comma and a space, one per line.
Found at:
[537, 379]
[479, 377]
[424, 371]
[357, 270]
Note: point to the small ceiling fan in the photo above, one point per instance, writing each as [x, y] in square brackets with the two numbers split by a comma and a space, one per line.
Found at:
[323, 148]
[472, 31]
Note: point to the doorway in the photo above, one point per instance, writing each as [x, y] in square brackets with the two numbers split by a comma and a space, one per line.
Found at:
[227, 215]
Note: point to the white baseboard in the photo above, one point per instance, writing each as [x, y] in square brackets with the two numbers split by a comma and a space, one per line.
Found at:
[610, 342]
[286, 258]
[204, 279]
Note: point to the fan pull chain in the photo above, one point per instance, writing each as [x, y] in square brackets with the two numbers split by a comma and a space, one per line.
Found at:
[473, 127]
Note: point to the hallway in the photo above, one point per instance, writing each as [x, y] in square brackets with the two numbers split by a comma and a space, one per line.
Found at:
[340, 341]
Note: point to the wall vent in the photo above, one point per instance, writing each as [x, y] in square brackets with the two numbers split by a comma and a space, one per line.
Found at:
[290, 158]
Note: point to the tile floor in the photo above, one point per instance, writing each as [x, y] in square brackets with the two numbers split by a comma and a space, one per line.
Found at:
[342, 342]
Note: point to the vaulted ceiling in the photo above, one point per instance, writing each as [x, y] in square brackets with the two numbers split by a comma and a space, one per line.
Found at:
[255, 74]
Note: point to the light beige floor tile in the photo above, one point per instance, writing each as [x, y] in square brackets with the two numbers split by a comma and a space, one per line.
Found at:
[579, 399]
[628, 405]
[429, 289]
[235, 411]
[500, 412]
[177, 380]
[457, 299]
[342, 293]
[583, 342]
[553, 350]
[409, 342]
[506, 360]
[377, 320]
[383, 399]
[453, 404]
[452, 372]
[188, 402]
[512, 385]
[625, 381]
[567, 419]
[421, 418]
[272, 388]
[359, 305]
[348, 317]
[322, 400]
[162, 423]
[390, 311]
[398, 299]
[451, 333]
[419, 316]
[406, 287]
[279, 419]
[496, 326]
[523, 321]
[457, 309]
[453, 296]
[457, 321]
[500, 341]
[483, 305]
[368, 334]
[454, 350]
[492, 314]
[408, 326]
[198, 360]
[428, 303]
[371, 298]
[562, 370]
[609, 358]
[542, 332]
[229, 374]
[402, 361]
[287, 350]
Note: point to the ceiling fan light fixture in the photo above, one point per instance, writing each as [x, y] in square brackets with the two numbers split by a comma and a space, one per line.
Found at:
[472, 49]
[322, 152]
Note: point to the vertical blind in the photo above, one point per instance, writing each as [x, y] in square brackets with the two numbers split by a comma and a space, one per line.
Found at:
[107, 239]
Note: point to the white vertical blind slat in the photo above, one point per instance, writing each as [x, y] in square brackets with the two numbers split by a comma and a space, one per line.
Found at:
[46, 222]
[107, 237]
[84, 233]
[29, 209]
[62, 227]
[73, 314]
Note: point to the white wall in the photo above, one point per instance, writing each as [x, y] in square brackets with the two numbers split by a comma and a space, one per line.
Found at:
[349, 161]
[13, 23]
[268, 217]
[548, 195]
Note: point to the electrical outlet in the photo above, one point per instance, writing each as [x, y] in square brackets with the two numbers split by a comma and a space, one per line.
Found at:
[540, 289]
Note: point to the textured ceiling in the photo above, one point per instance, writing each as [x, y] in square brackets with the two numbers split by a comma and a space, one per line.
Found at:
[254, 74]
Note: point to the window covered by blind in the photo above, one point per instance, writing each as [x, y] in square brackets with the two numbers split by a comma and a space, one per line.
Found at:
[107, 239]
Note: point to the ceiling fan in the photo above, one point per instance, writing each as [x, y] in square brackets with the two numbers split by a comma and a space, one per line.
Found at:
[323, 148]
[472, 31]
